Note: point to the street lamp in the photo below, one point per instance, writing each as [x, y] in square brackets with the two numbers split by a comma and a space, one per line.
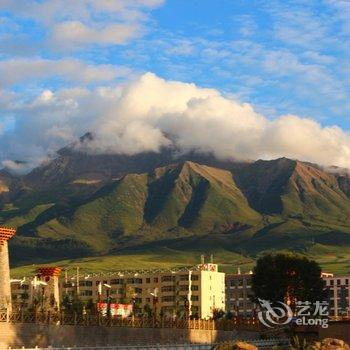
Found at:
[36, 283]
[108, 290]
[108, 287]
[155, 301]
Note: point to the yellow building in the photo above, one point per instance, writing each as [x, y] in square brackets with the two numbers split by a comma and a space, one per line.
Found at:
[196, 291]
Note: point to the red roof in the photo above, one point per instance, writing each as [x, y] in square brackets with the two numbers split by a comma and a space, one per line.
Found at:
[49, 271]
[6, 234]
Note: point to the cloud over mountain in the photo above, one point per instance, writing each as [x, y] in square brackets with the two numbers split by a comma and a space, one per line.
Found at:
[150, 113]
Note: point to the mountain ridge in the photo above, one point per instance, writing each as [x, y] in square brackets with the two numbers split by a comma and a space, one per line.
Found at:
[98, 204]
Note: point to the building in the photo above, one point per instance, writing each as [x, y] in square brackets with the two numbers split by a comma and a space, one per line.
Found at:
[39, 292]
[5, 287]
[238, 294]
[338, 294]
[197, 291]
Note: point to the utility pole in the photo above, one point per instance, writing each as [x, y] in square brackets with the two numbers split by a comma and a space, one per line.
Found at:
[77, 281]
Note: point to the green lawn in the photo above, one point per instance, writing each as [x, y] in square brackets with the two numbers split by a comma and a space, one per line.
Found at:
[161, 258]
[332, 259]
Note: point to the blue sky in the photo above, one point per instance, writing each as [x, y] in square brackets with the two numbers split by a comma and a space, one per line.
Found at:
[281, 57]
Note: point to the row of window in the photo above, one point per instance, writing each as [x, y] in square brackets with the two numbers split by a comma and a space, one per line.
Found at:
[169, 288]
[331, 282]
[164, 289]
[171, 298]
[116, 281]
[238, 282]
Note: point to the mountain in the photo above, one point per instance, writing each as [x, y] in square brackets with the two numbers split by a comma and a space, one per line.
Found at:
[292, 188]
[81, 204]
[160, 204]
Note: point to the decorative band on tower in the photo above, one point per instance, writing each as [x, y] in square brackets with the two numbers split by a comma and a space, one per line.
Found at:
[5, 284]
[6, 234]
[49, 271]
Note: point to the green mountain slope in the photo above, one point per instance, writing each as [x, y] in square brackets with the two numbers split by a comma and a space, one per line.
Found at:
[292, 189]
[84, 205]
[188, 197]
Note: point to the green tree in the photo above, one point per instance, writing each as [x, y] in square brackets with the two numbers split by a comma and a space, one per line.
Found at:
[287, 278]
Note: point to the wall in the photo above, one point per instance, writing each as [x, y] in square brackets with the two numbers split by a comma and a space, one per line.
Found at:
[339, 330]
[212, 292]
[5, 289]
[336, 329]
[31, 335]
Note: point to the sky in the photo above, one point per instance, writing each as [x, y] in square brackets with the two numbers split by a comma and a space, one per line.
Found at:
[239, 79]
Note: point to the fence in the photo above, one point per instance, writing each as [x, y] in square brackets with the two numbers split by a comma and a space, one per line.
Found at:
[99, 320]
[151, 347]
[259, 343]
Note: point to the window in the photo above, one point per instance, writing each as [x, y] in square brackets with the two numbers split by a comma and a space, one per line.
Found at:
[168, 298]
[117, 281]
[183, 277]
[332, 282]
[183, 288]
[134, 281]
[85, 283]
[194, 287]
[155, 279]
[194, 297]
[168, 289]
[194, 277]
[168, 278]
[338, 282]
[86, 293]
[148, 280]
[138, 290]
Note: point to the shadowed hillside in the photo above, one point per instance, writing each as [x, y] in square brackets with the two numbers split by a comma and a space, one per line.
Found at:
[81, 205]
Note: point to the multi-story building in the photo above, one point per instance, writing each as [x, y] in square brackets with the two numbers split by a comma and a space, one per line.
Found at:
[238, 294]
[40, 291]
[197, 291]
[338, 294]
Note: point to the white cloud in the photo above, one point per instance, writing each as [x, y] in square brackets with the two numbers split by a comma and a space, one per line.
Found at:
[78, 23]
[150, 113]
[15, 71]
[198, 119]
[75, 34]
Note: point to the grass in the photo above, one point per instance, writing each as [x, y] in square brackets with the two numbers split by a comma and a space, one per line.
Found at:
[163, 258]
[28, 216]
[332, 259]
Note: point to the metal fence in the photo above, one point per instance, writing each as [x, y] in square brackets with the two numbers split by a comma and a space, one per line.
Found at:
[99, 320]
[119, 347]
[259, 343]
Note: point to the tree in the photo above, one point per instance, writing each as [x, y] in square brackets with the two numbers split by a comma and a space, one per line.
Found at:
[218, 314]
[287, 278]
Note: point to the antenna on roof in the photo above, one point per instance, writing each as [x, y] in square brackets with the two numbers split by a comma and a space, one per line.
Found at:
[211, 258]
[202, 259]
